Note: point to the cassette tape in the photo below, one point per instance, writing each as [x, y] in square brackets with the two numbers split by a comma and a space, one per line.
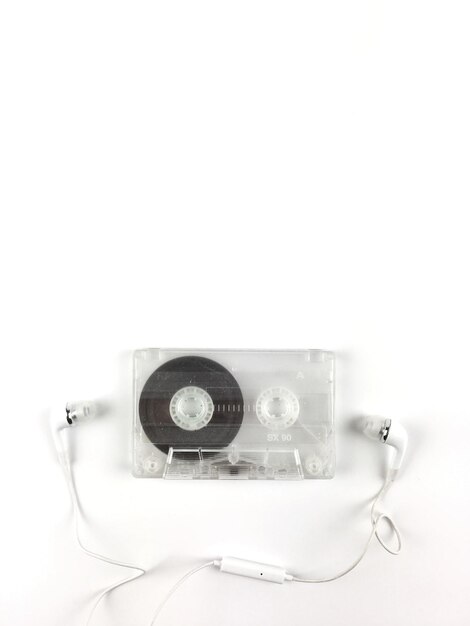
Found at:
[241, 414]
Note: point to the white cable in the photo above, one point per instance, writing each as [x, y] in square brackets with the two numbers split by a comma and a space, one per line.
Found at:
[176, 586]
[375, 520]
[65, 464]
[247, 570]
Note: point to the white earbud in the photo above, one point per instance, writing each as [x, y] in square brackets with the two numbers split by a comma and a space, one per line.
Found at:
[72, 414]
[390, 432]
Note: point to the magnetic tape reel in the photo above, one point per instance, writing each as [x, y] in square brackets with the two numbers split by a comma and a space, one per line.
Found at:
[233, 414]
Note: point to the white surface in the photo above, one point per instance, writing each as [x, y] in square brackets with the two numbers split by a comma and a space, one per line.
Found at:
[246, 174]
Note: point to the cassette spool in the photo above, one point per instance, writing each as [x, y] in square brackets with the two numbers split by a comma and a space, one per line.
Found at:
[207, 414]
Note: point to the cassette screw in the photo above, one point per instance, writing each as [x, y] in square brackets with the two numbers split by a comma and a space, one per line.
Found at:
[314, 465]
[151, 466]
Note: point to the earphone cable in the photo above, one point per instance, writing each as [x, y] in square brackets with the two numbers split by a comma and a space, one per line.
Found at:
[176, 586]
[67, 469]
[375, 521]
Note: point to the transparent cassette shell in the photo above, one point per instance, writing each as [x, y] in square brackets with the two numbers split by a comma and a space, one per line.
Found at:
[284, 415]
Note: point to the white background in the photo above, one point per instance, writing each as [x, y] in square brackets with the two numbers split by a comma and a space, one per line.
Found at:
[235, 174]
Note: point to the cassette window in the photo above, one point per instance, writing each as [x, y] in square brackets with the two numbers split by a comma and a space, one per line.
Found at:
[233, 414]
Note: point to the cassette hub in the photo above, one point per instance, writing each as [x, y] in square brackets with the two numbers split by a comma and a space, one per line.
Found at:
[191, 408]
[277, 408]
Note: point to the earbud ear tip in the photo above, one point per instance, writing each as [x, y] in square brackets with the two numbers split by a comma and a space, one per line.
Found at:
[371, 426]
[81, 411]
[72, 413]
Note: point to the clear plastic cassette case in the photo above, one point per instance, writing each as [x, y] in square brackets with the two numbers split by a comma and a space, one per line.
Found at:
[241, 414]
